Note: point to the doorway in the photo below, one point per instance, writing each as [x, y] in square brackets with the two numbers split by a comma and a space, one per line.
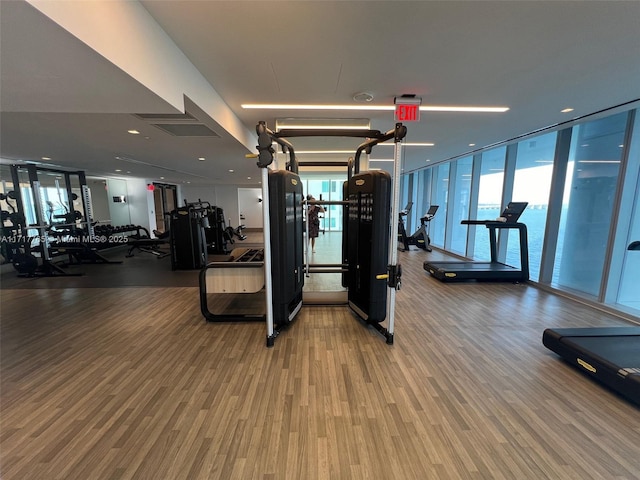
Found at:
[328, 188]
[250, 207]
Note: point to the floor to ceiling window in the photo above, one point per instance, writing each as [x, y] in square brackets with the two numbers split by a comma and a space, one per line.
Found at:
[422, 186]
[489, 198]
[628, 294]
[582, 184]
[532, 183]
[623, 281]
[329, 188]
[439, 194]
[459, 205]
[589, 196]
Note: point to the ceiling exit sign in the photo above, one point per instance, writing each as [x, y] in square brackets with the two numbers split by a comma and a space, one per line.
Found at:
[408, 109]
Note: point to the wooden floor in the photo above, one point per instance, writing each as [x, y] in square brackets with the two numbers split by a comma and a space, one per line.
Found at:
[132, 383]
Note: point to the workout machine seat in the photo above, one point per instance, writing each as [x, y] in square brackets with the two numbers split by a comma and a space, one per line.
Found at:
[240, 272]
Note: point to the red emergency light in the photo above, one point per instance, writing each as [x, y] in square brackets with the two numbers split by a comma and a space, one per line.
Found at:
[408, 108]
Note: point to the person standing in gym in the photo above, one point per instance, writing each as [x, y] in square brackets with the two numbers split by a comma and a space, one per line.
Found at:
[314, 220]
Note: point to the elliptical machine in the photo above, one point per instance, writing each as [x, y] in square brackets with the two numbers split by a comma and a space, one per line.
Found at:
[420, 237]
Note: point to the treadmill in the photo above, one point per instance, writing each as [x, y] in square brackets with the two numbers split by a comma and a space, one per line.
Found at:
[451, 271]
[610, 355]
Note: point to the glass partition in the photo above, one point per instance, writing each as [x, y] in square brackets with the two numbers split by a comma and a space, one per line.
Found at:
[459, 204]
[532, 184]
[439, 196]
[489, 198]
[590, 191]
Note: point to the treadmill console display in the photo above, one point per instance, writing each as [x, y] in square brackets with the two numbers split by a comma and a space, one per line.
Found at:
[513, 211]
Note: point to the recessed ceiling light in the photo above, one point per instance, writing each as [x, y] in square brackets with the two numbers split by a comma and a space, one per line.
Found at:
[133, 132]
[46, 158]
[363, 97]
[118, 170]
[201, 159]
[380, 108]
[161, 178]
[566, 110]
[231, 171]
[472, 144]
[248, 178]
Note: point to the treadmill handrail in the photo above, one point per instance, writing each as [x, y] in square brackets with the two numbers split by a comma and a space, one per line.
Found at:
[488, 222]
[524, 244]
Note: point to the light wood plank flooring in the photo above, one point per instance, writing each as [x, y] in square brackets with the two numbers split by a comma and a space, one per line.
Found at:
[132, 383]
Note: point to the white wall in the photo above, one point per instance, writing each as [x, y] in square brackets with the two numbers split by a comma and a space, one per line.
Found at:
[138, 209]
[141, 205]
[118, 212]
[99, 200]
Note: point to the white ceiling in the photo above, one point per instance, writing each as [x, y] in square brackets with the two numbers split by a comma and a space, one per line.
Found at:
[61, 99]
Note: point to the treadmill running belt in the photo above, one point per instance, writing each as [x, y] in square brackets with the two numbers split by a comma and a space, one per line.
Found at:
[620, 350]
[610, 355]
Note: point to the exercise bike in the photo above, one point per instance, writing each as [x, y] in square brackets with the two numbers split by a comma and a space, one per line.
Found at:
[420, 237]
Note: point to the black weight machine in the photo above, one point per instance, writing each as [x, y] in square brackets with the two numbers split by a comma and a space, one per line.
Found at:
[219, 235]
[11, 228]
[420, 237]
[32, 253]
[370, 273]
[196, 230]
[188, 242]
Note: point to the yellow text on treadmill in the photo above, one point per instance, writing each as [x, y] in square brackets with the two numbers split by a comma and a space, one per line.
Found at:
[586, 366]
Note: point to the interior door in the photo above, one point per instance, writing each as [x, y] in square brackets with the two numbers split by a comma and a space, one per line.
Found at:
[250, 207]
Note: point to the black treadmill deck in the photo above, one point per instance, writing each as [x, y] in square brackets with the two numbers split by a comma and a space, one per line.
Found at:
[457, 270]
[610, 355]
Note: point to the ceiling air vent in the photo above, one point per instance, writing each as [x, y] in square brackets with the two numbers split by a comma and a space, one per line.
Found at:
[186, 129]
[169, 117]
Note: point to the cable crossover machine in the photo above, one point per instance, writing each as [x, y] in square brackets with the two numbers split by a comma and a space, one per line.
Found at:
[369, 251]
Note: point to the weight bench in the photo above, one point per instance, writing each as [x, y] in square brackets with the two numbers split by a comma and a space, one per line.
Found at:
[144, 243]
